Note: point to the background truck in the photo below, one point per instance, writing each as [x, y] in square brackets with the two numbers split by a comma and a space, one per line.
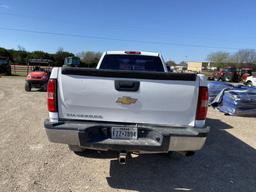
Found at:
[129, 103]
[5, 66]
[72, 62]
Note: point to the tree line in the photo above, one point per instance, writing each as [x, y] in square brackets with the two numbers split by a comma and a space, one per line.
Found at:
[241, 58]
[21, 56]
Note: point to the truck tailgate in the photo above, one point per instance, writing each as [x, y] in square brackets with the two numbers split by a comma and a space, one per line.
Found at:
[160, 98]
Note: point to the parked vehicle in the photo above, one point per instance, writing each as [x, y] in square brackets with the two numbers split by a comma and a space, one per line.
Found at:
[232, 74]
[5, 67]
[251, 80]
[72, 62]
[229, 74]
[246, 72]
[39, 76]
[129, 103]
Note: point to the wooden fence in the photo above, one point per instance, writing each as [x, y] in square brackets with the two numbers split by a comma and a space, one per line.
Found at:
[23, 70]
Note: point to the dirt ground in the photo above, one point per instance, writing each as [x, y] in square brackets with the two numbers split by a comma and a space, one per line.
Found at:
[28, 162]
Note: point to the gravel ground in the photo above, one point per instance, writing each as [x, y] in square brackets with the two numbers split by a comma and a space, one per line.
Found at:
[28, 162]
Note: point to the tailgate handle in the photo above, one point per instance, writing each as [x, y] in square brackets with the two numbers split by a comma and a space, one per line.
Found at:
[125, 85]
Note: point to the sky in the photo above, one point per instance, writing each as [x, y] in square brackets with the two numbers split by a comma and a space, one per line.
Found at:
[179, 29]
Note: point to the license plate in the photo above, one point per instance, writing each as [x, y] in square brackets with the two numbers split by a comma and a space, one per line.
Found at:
[124, 133]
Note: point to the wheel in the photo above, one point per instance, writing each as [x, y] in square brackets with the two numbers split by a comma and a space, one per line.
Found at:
[228, 78]
[249, 83]
[76, 148]
[190, 153]
[216, 79]
[27, 87]
[44, 87]
[170, 154]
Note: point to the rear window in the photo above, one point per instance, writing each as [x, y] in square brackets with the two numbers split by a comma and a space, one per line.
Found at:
[132, 62]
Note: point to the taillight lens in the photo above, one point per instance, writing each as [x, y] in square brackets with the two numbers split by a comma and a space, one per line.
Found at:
[52, 95]
[202, 103]
[133, 52]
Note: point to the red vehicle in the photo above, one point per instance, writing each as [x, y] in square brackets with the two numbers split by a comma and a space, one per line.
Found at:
[246, 72]
[228, 74]
[38, 74]
[232, 74]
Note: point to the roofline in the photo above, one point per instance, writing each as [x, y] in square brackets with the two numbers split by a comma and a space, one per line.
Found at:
[123, 53]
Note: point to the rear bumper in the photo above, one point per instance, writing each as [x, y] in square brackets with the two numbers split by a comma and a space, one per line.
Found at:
[151, 138]
[37, 83]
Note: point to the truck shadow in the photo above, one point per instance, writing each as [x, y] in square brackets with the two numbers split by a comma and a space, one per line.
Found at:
[224, 164]
[97, 154]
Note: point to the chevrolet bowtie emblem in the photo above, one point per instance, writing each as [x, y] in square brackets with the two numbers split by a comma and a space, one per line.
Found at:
[126, 100]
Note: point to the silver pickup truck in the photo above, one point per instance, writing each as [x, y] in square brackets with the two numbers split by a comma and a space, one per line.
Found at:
[129, 103]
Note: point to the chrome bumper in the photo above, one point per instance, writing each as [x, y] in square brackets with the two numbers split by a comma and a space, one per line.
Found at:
[95, 135]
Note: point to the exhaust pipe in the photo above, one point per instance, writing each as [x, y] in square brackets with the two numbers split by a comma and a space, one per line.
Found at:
[122, 158]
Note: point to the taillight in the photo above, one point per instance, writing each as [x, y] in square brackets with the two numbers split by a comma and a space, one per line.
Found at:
[52, 95]
[202, 103]
[133, 52]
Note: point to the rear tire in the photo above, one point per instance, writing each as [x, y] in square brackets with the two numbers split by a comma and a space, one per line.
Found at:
[27, 87]
[44, 88]
[228, 78]
[249, 84]
[190, 153]
[216, 79]
[170, 154]
[179, 155]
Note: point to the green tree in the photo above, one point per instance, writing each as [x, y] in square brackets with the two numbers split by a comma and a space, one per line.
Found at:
[171, 63]
[20, 56]
[219, 58]
[90, 58]
[244, 56]
[60, 56]
[39, 55]
[5, 53]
